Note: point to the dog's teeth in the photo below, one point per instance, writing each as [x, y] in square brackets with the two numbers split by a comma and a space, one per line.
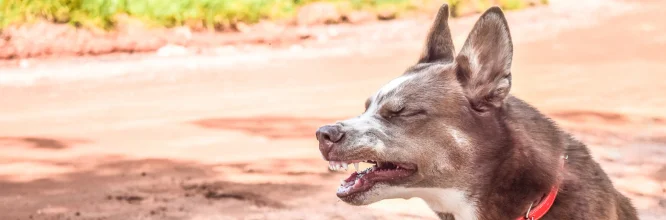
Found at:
[356, 166]
[344, 165]
[342, 182]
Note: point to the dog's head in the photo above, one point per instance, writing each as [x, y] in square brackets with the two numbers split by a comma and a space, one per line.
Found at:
[427, 128]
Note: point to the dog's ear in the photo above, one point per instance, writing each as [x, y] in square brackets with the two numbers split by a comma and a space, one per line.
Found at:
[439, 45]
[483, 66]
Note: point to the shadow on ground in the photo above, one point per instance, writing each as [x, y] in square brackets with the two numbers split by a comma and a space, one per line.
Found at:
[41, 142]
[120, 188]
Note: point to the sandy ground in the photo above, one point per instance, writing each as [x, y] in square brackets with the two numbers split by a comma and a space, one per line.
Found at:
[231, 135]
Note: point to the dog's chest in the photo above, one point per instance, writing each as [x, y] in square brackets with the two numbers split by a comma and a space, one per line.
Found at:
[450, 200]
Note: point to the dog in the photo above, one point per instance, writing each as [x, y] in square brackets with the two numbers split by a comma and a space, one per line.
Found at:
[448, 131]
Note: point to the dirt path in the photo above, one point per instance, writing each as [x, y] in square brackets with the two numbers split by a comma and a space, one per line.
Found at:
[235, 139]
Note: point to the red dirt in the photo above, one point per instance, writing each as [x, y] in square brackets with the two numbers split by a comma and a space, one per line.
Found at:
[237, 142]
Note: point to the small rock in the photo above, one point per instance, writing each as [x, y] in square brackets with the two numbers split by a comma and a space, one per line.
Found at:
[171, 50]
[318, 13]
[242, 27]
[130, 199]
[296, 48]
[359, 17]
[268, 27]
[184, 32]
[24, 63]
[387, 14]
[332, 32]
[304, 33]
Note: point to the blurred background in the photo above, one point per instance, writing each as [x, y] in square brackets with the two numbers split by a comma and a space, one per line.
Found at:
[206, 109]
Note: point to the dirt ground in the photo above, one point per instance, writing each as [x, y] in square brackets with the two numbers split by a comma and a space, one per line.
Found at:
[230, 135]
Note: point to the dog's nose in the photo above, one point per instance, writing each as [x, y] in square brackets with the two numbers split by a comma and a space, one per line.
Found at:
[331, 133]
[328, 135]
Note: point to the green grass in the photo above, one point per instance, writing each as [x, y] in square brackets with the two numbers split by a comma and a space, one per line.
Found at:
[168, 13]
[213, 14]
[512, 4]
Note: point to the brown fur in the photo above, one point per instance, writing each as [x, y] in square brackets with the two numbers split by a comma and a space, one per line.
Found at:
[453, 117]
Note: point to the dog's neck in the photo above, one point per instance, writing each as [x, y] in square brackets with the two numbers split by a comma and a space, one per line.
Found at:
[506, 199]
[514, 177]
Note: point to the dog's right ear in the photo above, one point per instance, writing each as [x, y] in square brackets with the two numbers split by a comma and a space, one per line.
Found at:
[483, 66]
[439, 44]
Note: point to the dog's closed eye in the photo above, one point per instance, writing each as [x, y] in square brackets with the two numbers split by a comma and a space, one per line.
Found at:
[392, 113]
[401, 112]
[414, 112]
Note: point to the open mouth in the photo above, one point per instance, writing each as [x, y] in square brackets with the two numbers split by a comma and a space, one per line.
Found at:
[362, 181]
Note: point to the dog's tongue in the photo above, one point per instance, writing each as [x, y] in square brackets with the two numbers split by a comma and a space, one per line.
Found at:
[354, 183]
[350, 185]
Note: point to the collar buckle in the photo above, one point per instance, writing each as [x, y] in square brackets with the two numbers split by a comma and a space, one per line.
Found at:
[538, 211]
[527, 214]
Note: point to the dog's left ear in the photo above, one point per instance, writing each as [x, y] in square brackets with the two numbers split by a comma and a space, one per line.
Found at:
[439, 44]
[483, 66]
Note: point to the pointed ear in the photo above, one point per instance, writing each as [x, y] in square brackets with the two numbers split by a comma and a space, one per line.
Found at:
[439, 45]
[483, 66]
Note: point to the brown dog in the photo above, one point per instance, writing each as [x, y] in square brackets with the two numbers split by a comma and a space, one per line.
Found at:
[447, 131]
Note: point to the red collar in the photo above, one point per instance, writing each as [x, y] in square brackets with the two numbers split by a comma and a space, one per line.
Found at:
[538, 211]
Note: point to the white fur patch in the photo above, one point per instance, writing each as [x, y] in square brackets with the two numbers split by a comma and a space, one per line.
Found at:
[460, 138]
[448, 200]
[395, 84]
[390, 86]
[471, 54]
